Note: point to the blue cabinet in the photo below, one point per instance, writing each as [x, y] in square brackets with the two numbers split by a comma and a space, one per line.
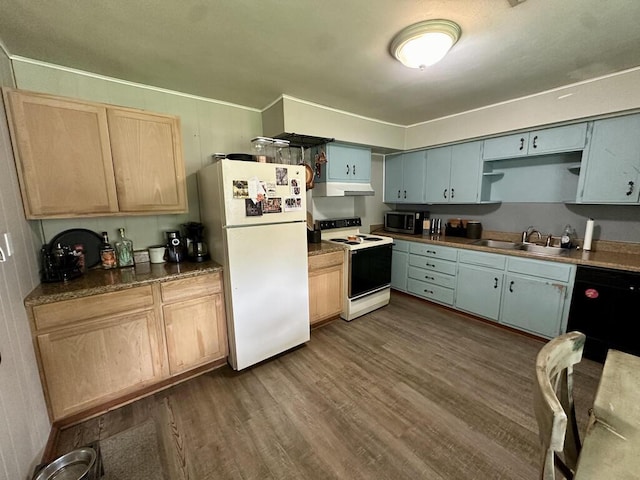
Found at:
[346, 163]
[523, 293]
[569, 138]
[536, 296]
[454, 173]
[404, 177]
[479, 283]
[611, 170]
[432, 272]
[399, 265]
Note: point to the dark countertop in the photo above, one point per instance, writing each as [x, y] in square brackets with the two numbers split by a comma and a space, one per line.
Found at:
[617, 255]
[97, 280]
[323, 247]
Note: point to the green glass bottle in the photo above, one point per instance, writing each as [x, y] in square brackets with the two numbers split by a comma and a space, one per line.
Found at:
[124, 250]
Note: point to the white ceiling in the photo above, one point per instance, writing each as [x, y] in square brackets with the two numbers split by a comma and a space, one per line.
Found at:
[331, 52]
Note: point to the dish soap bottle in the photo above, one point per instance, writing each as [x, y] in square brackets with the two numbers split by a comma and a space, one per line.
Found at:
[124, 250]
[566, 241]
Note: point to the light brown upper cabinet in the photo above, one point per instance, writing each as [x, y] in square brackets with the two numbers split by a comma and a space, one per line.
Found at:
[77, 158]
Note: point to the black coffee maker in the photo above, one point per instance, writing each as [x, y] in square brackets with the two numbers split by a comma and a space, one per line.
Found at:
[176, 249]
[59, 263]
[197, 250]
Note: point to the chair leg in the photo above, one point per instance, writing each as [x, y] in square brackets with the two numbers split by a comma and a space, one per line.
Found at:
[566, 471]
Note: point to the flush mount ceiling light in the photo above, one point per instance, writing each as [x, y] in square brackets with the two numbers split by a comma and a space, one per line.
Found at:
[425, 43]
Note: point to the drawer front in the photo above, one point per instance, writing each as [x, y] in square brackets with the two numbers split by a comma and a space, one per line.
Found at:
[441, 279]
[87, 308]
[483, 259]
[432, 264]
[435, 251]
[325, 260]
[192, 287]
[561, 272]
[430, 291]
[400, 245]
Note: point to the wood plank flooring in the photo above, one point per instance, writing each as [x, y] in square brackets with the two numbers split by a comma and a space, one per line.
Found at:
[410, 391]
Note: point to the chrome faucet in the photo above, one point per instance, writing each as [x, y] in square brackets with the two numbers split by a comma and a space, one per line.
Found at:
[526, 235]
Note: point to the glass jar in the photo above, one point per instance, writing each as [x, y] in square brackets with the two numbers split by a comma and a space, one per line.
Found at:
[262, 148]
[281, 151]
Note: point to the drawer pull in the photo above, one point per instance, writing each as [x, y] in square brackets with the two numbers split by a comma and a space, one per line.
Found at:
[429, 278]
[429, 265]
[429, 291]
[431, 251]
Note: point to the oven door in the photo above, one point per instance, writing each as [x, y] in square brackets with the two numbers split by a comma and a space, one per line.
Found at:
[369, 270]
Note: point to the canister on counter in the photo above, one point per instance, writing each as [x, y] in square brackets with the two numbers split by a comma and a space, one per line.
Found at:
[474, 229]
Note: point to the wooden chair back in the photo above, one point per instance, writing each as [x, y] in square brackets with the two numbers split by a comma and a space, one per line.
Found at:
[553, 404]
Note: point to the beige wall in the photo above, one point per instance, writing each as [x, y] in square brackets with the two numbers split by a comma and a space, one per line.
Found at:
[606, 95]
[293, 115]
[602, 96]
[208, 126]
[24, 425]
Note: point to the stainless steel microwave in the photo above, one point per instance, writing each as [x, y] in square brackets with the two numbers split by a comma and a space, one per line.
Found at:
[404, 222]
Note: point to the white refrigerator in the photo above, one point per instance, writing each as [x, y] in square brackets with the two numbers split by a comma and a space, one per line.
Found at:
[254, 216]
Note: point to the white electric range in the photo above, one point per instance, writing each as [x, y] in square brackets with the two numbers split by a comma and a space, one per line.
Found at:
[367, 265]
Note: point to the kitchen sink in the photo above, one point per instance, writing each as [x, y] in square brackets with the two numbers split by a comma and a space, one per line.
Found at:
[543, 249]
[527, 247]
[485, 242]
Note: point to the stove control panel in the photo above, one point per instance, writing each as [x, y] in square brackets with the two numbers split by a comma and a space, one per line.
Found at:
[340, 223]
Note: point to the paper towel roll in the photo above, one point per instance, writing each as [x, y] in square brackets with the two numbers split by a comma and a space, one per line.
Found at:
[588, 235]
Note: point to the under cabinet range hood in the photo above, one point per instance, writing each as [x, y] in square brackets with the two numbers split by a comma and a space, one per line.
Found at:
[336, 189]
[305, 141]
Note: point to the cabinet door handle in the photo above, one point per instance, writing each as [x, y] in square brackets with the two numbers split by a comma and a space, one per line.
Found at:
[353, 169]
[521, 144]
[630, 191]
[495, 279]
[405, 194]
[347, 169]
[399, 193]
[453, 193]
[535, 141]
[444, 194]
[511, 286]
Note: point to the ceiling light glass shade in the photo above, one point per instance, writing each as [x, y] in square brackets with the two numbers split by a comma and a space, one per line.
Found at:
[425, 43]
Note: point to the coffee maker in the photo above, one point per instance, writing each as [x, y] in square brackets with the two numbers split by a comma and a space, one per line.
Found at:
[58, 263]
[176, 250]
[197, 250]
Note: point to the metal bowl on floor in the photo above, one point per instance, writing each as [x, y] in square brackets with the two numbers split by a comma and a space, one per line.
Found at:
[75, 465]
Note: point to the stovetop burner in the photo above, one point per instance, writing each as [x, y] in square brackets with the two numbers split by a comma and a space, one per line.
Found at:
[346, 232]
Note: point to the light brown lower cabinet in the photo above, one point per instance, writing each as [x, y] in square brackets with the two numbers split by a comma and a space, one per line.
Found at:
[194, 321]
[100, 350]
[326, 286]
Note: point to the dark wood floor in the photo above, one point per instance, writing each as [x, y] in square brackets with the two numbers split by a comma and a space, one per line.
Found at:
[410, 391]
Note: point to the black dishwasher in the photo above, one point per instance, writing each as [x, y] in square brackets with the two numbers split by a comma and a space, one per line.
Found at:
[604, 307]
